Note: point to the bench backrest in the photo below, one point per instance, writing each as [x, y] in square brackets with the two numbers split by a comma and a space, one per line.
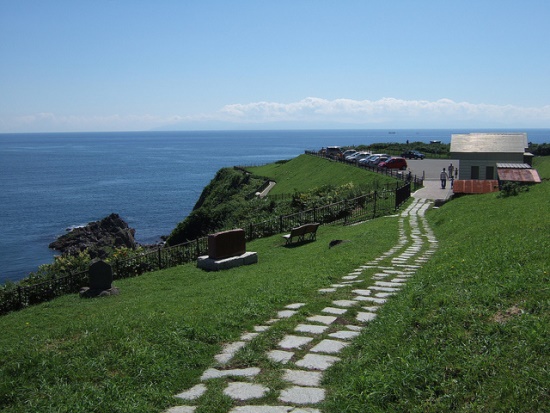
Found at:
[296, 232]
[311, 227]
[303, 229]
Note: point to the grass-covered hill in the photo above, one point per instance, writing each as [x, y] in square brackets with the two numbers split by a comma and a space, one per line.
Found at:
[306, 173]
[469, 332]
[228, 200]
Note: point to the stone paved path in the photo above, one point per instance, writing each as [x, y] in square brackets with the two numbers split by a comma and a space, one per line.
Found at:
[313, 345]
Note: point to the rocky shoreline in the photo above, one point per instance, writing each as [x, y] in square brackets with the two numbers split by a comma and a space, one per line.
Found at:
[98, 237]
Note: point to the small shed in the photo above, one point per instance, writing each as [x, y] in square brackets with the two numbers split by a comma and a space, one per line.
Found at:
[517, 172]
[479, 153]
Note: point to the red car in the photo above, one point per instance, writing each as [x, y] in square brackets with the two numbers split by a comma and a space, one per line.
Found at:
[394, 163]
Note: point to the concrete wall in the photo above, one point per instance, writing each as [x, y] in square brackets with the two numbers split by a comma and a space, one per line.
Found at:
[483, 160]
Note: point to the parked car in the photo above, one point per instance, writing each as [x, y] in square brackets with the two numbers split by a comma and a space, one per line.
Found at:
[334, 151]
[374, 158]
[382, 158]
[348, 153]
[361, 156]
[356, 156]
[394, 163]
[413, 155]
[366, 160]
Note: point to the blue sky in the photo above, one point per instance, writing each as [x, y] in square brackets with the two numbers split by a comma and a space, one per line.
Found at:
[205, 64]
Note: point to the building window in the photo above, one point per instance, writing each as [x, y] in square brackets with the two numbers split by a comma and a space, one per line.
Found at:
[474, 173]
[490, 172]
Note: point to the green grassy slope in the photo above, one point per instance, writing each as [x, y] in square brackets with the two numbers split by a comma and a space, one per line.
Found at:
[133, 352]
[306, 172]
[225, 202]
[471, 332]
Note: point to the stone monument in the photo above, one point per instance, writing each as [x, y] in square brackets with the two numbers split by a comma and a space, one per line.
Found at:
[226, 249]
[101, 278]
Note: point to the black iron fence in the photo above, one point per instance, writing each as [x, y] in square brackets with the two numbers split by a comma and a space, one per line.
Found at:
[16, 297]
[364, 207]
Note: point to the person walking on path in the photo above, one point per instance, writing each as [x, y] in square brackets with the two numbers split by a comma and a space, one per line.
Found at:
[451, 169]
[443, 177]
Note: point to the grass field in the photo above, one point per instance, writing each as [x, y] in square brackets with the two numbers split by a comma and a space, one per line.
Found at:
[470, 331]
[306, 172]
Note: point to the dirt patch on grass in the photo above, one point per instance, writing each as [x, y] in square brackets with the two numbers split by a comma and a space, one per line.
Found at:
[503, 317]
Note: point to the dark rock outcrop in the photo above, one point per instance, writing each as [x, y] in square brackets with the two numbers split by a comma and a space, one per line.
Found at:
[99, 237]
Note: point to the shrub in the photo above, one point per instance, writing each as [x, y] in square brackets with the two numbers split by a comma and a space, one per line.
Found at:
[511, 189]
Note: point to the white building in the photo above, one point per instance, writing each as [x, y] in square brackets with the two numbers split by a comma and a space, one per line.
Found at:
[479, 153]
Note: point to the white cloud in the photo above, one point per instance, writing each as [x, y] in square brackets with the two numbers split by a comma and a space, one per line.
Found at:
[365, 112]
[311, 112]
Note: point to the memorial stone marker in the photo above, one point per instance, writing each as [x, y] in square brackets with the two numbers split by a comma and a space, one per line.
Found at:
[100, 276]
[226, 250]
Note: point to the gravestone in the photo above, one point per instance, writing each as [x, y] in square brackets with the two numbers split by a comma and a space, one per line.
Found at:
[100, 276]
[226, 250]
[226, 244]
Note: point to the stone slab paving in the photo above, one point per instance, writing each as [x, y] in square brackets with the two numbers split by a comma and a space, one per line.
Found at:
[371, 299]
[245, 391]
[310, 328]
[193, 393]
[388, 284]
[365, 317]
[182, 409]
[286, 313]
[385, 289]
[249, 336]
[229, 351]
[290, 341]
[317, 361]
[344, 303]
[329, 346]
[344, 335]
[216, 374]
[396, 272]
[272, 409]
[280, 356]
[304, 380]
[327, 290]
[323, 319]
[362, 292]
[302, 395]
[332, 310]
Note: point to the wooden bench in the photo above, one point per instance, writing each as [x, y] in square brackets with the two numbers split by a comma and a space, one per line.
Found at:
[306, 232]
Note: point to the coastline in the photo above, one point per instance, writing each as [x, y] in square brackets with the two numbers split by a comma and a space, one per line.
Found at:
[152, 179]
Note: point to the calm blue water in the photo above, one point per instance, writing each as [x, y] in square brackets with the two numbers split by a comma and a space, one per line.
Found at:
[49, 182]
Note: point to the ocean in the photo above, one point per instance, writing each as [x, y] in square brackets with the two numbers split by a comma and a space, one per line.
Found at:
[52, 182]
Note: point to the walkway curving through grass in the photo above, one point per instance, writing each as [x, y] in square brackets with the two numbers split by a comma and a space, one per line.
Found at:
[256, 374]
